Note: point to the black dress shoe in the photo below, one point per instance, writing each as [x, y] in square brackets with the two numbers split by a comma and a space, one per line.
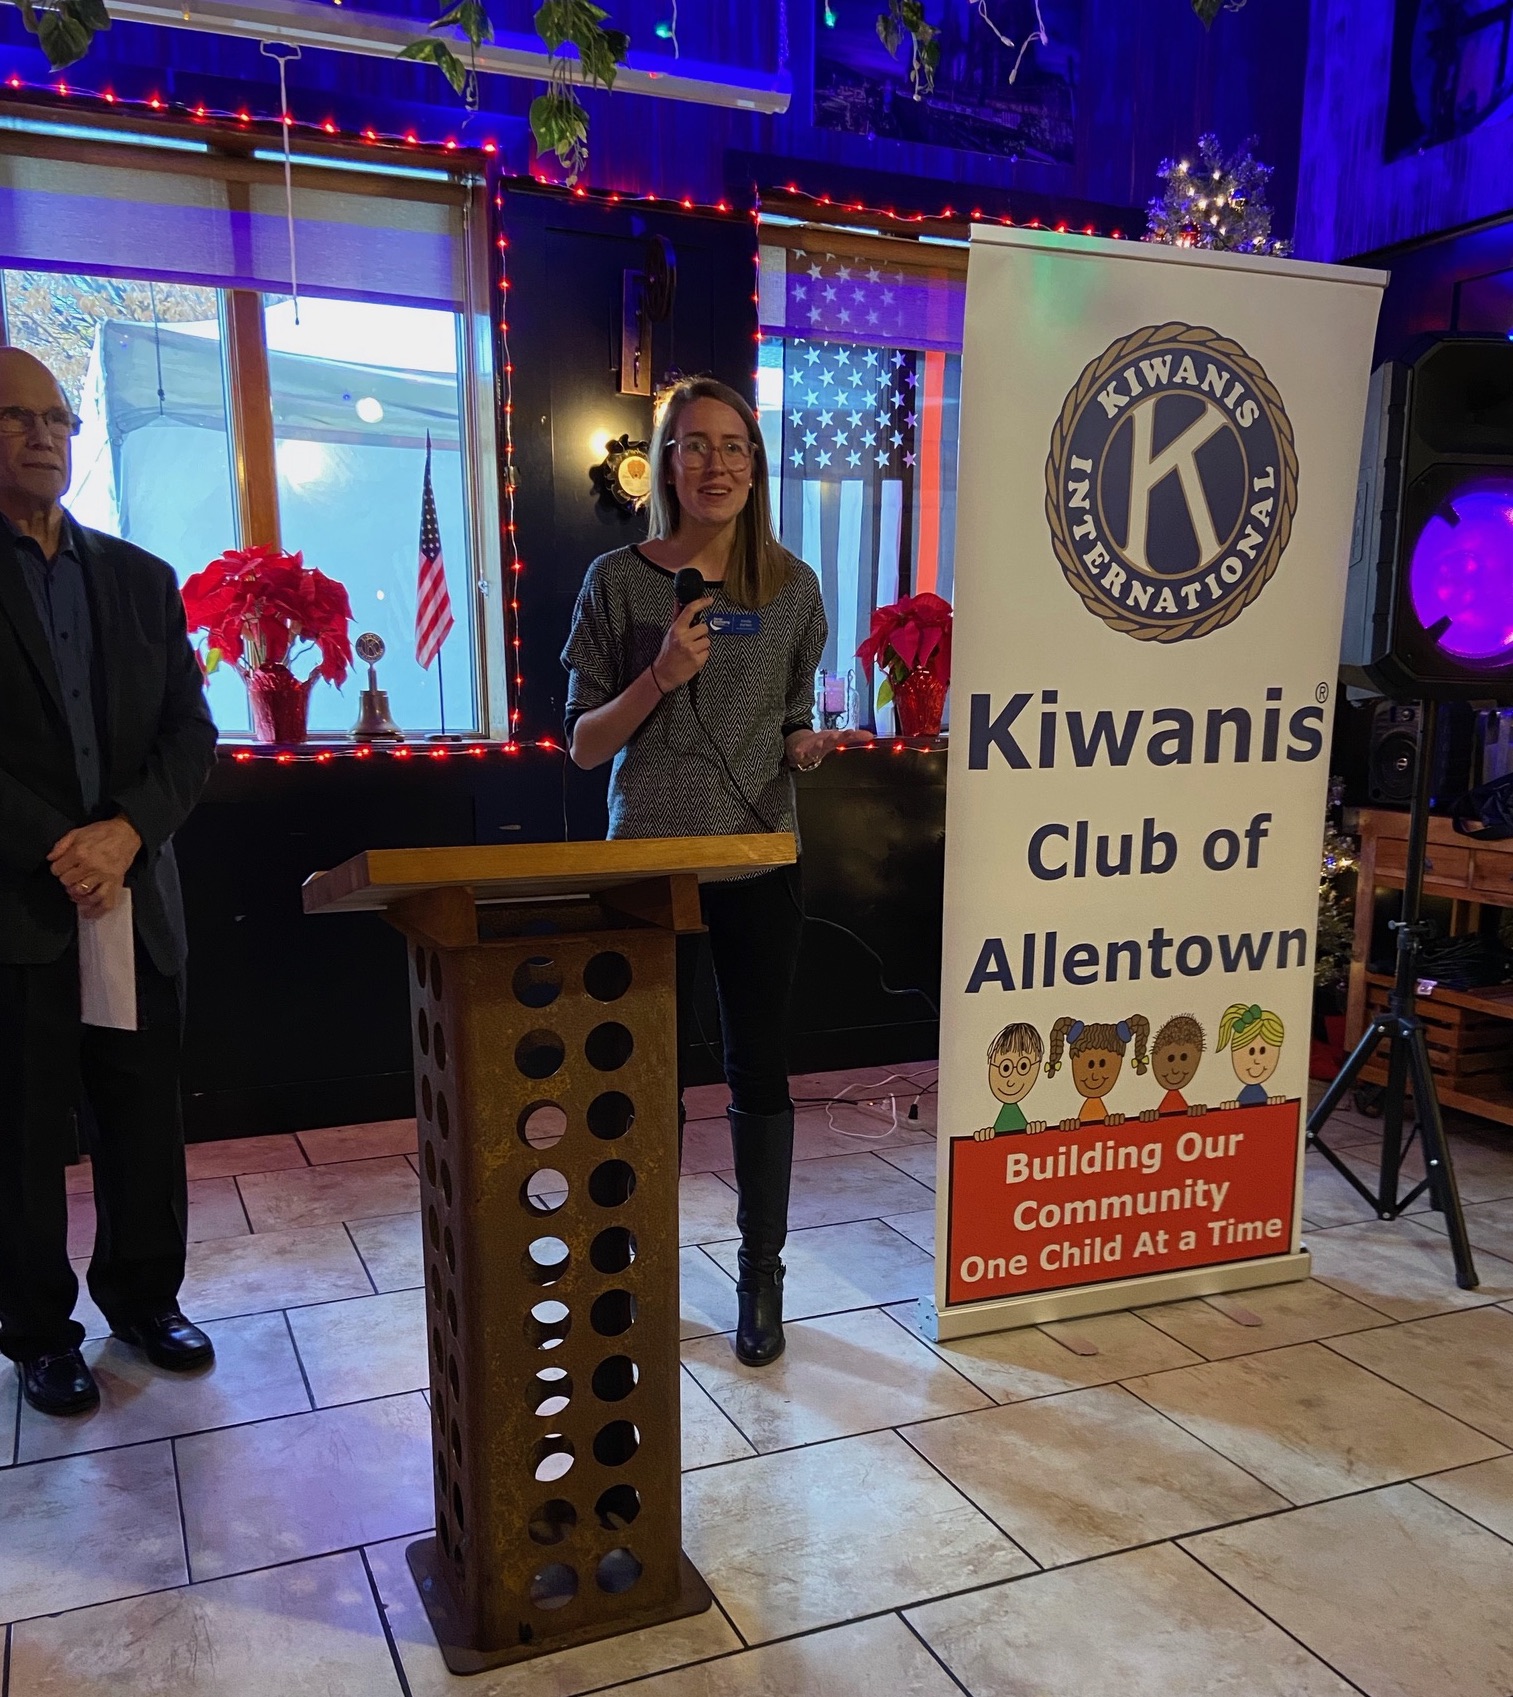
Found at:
[59, 1384]
[169, 1341]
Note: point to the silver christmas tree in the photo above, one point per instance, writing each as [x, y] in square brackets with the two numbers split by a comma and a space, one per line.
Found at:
[1214, 202]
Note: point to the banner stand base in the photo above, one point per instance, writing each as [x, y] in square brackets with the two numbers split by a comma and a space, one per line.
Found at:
[1036, 1309]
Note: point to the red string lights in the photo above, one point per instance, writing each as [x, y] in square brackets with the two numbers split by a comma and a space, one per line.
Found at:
[196, 112]
[948, 215]
[326, 754]
[514, 566]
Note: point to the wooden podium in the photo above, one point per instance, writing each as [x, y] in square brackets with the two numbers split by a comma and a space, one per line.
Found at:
[544, 1016]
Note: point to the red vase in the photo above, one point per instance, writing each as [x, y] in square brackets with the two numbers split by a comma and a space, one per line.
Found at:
[921, 700]
[280, 704]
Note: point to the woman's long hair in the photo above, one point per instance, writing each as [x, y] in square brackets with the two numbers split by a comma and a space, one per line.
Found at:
[759, 564]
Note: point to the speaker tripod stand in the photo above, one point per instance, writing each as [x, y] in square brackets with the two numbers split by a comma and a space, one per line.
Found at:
[1408, 1054]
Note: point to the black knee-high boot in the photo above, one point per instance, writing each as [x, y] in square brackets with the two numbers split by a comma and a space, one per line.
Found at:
[763, 1148]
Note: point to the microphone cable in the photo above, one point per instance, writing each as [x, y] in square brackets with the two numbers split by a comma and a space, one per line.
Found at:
[688, 585]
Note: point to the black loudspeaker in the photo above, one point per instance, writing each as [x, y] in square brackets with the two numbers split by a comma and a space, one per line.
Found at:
[1392, 754]
[1429, 607]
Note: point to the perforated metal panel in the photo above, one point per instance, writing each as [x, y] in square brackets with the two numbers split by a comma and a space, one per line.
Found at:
[547, 1105]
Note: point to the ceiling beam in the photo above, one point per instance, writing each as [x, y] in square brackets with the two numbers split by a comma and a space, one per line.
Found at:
[345, 29]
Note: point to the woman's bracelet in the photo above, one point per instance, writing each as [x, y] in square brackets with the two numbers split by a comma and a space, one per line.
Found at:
[652, 668]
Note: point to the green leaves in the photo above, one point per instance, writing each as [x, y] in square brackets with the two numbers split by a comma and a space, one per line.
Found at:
[429, 51]
[1208, 10]
[907, 18]
[470, 17]
[579, 22]
[558, 120]
[560, 125]
[65, 28]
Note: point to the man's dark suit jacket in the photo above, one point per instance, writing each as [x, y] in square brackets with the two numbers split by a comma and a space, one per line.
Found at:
[159, 746]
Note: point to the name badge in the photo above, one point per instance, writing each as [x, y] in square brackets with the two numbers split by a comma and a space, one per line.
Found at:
[734, 624]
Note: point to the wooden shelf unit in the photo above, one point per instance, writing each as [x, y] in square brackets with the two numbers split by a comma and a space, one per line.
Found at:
[1471, 1057]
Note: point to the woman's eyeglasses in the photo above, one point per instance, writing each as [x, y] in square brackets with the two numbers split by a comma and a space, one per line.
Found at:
[697, 451]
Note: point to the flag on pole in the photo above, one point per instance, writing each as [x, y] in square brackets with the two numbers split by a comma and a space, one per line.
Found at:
[433, 606]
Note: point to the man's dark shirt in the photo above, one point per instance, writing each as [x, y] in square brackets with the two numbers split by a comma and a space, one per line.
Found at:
[58, 589]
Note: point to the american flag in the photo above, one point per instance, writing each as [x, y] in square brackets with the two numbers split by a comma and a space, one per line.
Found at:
[433, 606]
[850, 447]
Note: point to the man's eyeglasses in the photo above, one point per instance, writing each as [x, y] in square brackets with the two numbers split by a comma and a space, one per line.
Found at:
[698, 450]
[22, 421]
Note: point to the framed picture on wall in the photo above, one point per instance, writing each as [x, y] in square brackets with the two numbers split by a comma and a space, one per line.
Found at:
[1015, 101]
[1452, 70]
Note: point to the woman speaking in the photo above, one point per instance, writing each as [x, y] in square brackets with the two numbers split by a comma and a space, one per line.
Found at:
[702, 729]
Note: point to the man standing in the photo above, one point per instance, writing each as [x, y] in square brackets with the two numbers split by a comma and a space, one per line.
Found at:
[105, 745]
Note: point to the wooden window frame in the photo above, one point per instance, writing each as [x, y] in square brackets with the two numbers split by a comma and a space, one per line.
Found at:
[248, 387]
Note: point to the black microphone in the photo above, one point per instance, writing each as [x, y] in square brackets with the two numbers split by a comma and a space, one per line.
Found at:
[688, 586]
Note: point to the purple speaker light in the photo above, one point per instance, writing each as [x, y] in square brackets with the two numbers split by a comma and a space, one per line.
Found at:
[1461, 574]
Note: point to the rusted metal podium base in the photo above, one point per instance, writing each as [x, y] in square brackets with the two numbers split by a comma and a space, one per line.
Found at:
[430, 1570]
[543, 1006]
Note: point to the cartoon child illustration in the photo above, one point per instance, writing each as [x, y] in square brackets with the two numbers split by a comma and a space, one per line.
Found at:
[1174, 1059]
[1097, 1053]
[1013, 1066]
[1253, 1037]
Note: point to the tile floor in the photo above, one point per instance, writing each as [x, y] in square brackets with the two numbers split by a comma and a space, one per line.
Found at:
[1303, 1491]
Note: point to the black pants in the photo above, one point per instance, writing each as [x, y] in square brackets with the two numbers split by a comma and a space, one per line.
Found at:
[48, 1062]
[754, 929]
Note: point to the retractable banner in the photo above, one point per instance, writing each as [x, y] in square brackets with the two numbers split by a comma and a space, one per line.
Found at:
[1159, 457]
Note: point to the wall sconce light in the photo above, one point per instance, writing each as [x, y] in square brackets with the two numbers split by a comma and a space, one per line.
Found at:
[624, 474]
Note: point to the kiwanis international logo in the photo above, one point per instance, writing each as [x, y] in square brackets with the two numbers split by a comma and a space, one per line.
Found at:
[1171, 483]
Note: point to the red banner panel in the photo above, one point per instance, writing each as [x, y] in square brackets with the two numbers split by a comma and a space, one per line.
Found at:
[1036, 1213]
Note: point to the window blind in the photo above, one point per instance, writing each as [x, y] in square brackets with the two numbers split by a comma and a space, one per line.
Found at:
[224, 225]
[819, 283]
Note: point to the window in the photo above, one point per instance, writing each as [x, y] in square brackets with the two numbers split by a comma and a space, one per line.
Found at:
[356, 389]
[218, 413]
[859, 384]
[141, 365]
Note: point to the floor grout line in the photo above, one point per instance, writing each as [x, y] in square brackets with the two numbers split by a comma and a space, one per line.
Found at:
[383, 1621]
[346, 1226]
[178, 1497]
[1464, 1513]
[1460, 1420]
[1306, 1648]
[231, 1426]
[932, 1652]
[299, 1361]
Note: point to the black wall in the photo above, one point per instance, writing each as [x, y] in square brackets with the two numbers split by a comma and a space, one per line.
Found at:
[296, 1021]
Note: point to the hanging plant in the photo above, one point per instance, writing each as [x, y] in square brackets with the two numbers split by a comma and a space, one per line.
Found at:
[907, 18]
[470, 17]
[64, 28]
[558, 120]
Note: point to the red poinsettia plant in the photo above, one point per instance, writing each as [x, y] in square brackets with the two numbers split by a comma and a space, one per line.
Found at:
[257, 606]
[907, 636]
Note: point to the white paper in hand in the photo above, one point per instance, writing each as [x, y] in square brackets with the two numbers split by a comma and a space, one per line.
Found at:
[108, 968]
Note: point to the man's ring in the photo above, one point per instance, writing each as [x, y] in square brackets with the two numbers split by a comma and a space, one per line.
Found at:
[83, 889]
